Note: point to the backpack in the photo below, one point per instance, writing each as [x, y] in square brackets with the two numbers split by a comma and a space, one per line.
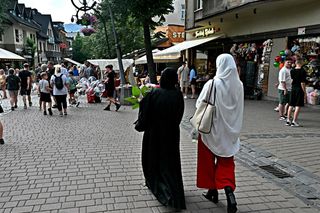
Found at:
[58, 82]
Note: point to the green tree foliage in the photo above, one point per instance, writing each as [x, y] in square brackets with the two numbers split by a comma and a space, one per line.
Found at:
[3, 8]
[141, 12]
[129, 33]
[81, 48]
[30, 48]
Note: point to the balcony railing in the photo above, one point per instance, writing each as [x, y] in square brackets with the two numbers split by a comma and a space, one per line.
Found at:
[53, 54]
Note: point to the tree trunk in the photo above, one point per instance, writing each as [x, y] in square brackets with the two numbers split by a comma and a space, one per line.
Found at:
[147, 43]
[107, 39]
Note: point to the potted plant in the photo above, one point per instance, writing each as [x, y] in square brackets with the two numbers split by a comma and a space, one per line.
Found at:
[87, 31]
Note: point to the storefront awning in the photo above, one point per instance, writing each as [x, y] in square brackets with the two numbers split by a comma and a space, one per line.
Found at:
[174, 51]
[72, 61]
[6, 55]
[102, 63]
[157, 59]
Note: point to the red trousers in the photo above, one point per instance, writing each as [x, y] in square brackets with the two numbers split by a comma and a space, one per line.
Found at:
[214, 172]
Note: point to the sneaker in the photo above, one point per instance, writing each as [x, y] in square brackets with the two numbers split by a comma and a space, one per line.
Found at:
[288, 123]
[185, 97]
[276, 109]
[118, 107]
[30, 104]
[61, 114]
[65, 113]
[50, 111]
[44, 112]
[25, 106]
[295, 124]
[282, 118]
[1, 141]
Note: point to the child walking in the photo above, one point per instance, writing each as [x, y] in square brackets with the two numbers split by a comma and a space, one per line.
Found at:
[44, 90]
[72, 88]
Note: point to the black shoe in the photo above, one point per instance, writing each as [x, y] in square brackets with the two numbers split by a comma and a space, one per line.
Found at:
[118, 107]
[12, 108]
[231, 200]
[15, 106]
[54, 106]
[30, 104]
[50, 111]
[212, 195]
[1, 141]
[107, 108]
[77, 104]
[44, 112]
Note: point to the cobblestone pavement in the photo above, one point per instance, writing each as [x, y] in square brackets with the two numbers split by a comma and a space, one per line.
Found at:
[89, 161]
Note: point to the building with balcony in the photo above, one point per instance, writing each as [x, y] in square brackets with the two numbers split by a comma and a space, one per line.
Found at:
[19, 25]
[48, 40]
[255, 32]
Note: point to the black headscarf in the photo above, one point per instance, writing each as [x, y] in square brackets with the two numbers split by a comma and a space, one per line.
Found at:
[169, 79]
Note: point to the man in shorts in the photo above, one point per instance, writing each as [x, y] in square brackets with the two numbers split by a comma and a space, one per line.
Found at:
[13, 83]
[183, 73]
[25, 90]
[284, 88]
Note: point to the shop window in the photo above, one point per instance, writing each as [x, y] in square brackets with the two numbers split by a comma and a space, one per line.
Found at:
[17, 35]
[183, 12]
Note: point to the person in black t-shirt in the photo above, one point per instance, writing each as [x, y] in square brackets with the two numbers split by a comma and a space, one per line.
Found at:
[25, 76]
[13, 82]
[298, 92]
[110, 88]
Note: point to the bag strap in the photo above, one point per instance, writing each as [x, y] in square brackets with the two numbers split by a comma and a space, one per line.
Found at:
[209, 95]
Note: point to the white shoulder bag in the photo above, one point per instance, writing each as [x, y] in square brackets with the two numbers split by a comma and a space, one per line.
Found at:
[202, 119]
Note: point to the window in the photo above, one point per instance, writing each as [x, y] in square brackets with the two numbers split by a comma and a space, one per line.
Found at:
[198, 4]
[17, 35]
[183, 12]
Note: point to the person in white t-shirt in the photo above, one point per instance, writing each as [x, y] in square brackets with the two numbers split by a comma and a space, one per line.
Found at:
[64, 70]
[60, 94]
[183, 77]
[284, 88]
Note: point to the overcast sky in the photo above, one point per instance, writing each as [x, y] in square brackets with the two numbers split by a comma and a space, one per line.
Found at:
[60, 10]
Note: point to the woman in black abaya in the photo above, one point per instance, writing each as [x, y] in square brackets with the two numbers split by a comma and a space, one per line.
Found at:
[160, 114]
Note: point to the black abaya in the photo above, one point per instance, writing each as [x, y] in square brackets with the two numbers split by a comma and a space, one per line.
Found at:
[161, 112]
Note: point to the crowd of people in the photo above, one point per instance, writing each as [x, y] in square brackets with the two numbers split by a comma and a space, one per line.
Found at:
[55, 85]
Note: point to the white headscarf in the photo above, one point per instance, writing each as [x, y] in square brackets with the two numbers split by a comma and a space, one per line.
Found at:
[224, 137]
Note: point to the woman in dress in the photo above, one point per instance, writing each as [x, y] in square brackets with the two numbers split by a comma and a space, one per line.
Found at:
[160, 114]
[216, 150]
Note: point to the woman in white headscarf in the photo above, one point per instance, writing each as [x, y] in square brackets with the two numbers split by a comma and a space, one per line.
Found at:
[216, 168]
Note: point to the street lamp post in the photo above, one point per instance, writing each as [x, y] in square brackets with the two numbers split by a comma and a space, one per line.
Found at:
[86, 8]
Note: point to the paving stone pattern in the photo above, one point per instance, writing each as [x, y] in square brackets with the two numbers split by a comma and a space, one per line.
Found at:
[90, 161]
